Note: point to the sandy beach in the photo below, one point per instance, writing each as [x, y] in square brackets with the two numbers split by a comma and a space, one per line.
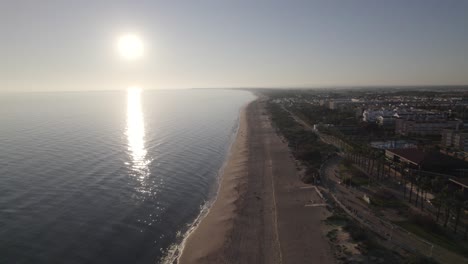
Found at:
[263, 212]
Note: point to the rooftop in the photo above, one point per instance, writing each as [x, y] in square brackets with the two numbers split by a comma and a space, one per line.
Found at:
[414, 155]
[460, 181]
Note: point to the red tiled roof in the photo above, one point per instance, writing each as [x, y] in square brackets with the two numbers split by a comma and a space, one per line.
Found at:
[414, 155]
[460, 181]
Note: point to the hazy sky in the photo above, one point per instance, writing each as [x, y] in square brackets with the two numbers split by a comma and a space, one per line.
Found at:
[70, 45]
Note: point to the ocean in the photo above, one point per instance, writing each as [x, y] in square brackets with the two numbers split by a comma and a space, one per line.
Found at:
[109, 177]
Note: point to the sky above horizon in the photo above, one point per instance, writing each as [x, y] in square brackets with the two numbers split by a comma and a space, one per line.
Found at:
[70, 45]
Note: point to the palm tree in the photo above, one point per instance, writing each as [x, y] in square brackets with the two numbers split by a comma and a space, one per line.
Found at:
[382, 167]
[449, 203]
[437, 185]
[371, 171]
[377, 161]
[369, 163]
[426, 186]
[359, 157]
[458, 203]
[418, 187]
[438, 202]
[404, 178]
[411, 188]
[465, 207]
[441, 196]
[416, 183]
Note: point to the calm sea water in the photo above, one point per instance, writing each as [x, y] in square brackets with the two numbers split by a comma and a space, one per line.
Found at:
[108, 177]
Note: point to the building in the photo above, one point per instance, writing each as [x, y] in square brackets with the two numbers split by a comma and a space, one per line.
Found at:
[336, 103]
[455, 139]
[386, 121]
[372, 115]
[459, 184]
[427, 161]
[411, 156]
[420, 115]
[425, 128]
[460, 141]
[447, 138]
[394, 144]
[462, 183]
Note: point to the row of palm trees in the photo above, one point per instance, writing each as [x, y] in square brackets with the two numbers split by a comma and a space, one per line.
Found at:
[448, 201]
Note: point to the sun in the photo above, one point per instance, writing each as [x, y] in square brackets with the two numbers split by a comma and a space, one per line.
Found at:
[130, 46]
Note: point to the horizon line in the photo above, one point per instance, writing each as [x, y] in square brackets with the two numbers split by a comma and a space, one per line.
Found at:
[304, 87]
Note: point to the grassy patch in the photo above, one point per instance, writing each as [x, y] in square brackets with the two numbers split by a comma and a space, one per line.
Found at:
[358, 233]
[332, 235]
[352, 175]
[387, 203]
[386, 199]
[366, 242]
[357, 181]
[337, 220]
[437, 237]
[416, 259]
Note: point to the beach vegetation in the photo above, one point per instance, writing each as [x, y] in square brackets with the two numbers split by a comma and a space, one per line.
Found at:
[419, 259]
[426, 228]
[305, 145]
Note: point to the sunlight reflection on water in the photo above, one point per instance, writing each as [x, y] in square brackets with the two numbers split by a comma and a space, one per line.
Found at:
[135, 133]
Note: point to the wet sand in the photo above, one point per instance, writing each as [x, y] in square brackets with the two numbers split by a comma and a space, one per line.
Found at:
[262, 213]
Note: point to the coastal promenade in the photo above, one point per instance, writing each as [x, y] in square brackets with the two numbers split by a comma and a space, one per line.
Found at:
[263, 212]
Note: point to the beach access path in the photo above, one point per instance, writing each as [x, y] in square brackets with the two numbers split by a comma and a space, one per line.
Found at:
[263, 212]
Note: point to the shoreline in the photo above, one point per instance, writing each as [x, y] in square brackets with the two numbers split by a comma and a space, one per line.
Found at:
[259, 213]
[174, 253]
[215, 214]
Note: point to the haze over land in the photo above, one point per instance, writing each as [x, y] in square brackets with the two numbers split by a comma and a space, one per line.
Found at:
[69, 45]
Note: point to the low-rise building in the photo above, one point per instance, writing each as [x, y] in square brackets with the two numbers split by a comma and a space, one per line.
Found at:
[459, 184]
[336, 103]
[425, 128]
[411, 156]
[457, 140]
[394, 144]
[386, 121]
[421, 115]
[447, 138]
[460, 141]
[430, 161]
[370, 115]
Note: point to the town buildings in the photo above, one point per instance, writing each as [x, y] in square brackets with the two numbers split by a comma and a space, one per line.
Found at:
[425, 128]
[458, 140]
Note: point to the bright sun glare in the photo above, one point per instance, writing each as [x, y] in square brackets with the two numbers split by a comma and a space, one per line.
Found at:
[130, 46]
